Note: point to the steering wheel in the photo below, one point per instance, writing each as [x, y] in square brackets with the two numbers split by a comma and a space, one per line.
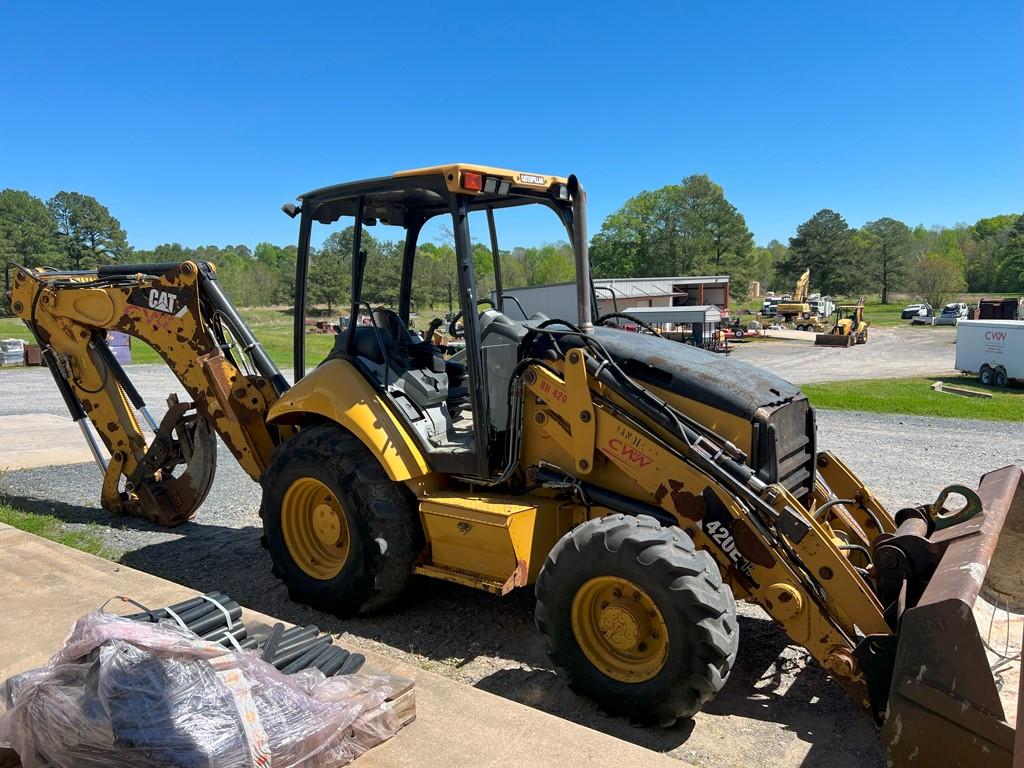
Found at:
[452, 330]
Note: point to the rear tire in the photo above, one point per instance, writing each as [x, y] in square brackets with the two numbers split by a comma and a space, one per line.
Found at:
[682, 592]
[1000, 379]
[382, 537]
[985, 375]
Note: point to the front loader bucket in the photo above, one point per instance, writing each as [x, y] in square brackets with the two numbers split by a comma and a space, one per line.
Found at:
[943, 703]
[1004, 583]
[832, 340]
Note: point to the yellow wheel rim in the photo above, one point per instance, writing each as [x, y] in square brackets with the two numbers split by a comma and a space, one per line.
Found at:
[315, 529]
[620, 629]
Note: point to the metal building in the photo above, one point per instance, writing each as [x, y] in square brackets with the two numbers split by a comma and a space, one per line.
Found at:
[620, 293]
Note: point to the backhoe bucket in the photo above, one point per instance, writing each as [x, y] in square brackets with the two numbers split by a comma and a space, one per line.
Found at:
[943, 704]
[832, 340]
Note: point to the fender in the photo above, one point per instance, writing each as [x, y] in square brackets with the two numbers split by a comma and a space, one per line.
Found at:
[337, 391]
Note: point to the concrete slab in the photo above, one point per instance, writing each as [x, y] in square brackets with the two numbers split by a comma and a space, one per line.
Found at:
[45, 586]
[40, 440]
[790, 335]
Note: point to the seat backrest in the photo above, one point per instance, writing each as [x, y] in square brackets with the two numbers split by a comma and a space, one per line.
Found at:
[367, 342]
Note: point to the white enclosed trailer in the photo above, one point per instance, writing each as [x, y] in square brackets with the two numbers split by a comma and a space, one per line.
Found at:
[994, 349]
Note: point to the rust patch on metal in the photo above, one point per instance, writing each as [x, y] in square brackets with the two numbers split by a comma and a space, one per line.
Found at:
[519, 577]
[750, 545]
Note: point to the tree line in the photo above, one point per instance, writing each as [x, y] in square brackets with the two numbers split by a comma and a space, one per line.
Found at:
[691, 228]
[75, 232]
[681, 229]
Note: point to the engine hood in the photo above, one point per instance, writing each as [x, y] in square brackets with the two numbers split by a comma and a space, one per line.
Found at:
[713, 379]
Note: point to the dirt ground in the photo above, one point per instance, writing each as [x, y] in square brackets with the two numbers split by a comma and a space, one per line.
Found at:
[778, 708]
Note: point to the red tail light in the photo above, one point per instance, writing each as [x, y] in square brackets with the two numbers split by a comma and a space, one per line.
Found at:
[474, 182]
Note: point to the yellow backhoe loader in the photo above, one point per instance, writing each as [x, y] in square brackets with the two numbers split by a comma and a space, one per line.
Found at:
[848, 327]
[637, 484]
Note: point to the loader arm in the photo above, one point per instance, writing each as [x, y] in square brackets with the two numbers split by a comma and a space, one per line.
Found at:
[882, 602]
[767, 551]
[180, 311]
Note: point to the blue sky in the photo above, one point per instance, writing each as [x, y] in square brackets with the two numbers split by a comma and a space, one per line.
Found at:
[193, 122]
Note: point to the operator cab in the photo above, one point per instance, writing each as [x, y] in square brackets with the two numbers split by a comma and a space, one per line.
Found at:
[448, 380]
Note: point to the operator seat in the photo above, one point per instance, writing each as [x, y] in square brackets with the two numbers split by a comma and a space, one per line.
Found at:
[402, 351]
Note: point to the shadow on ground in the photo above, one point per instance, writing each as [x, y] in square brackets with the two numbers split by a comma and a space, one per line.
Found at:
[491, 643]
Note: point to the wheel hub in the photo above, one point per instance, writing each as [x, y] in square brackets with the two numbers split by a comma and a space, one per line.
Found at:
[326, 524]
[620, 629]
[314, 527]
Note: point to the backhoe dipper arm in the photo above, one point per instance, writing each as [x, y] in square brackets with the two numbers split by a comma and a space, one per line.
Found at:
[180, 311]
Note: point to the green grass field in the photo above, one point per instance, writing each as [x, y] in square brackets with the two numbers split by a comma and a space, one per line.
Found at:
[916, 397]
[13, 328]
[54, 529]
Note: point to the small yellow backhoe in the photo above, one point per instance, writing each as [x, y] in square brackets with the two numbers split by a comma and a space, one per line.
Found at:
[639, 486]
[848, 327]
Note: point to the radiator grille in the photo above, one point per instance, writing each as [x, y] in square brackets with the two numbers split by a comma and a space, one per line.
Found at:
[791, 448]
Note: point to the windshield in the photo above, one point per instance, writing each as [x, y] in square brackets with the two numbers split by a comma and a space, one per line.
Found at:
[527, 249]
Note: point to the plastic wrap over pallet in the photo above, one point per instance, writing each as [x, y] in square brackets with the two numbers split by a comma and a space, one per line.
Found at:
[140, 695]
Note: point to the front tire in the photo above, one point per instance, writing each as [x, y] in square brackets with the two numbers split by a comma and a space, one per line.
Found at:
[342, 535]
[985, 375]
[636, 618]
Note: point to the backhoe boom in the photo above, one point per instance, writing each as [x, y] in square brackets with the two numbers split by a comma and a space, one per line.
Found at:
[179, 310]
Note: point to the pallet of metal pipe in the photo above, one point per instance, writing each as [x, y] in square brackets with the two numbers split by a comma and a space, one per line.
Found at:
[322, 660]
[286, 657]
[216, 619]
[300, 638]
[273, 640]
[161, 613]
[194, 614]
[353, 664]
[239, 632]
[306, 659]
[332, 667]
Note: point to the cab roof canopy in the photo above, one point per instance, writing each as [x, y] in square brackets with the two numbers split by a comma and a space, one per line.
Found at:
[421, 193]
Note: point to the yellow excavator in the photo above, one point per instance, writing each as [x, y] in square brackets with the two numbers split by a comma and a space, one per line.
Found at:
[639, 486]
[797, 305]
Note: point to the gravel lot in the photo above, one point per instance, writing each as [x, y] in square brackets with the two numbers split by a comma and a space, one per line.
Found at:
[777, 709]
[890, 353]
